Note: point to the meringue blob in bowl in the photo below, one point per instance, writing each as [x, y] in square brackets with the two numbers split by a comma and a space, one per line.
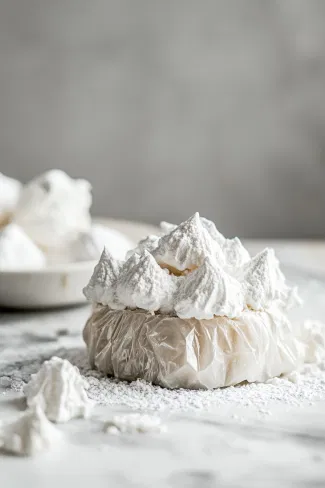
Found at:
[57, 285]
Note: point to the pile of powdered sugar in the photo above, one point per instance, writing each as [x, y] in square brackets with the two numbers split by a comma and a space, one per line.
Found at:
[299, 389]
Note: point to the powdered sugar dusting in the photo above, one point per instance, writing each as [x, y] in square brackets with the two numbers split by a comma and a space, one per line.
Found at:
[301, 389]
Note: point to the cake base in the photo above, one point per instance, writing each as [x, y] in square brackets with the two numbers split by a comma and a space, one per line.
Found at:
[190, 353]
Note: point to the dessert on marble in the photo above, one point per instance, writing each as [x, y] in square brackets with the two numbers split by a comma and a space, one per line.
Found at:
[9, 195]
[50, 218]
[192, 309]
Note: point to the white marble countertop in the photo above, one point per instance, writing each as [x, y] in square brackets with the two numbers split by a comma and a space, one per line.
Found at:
[226, 447]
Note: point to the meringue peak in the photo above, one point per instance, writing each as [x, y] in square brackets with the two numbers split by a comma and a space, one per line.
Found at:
[209, 291]
[213, 231]
[144, 285]
[167, 227]
[235, 253]
[263, 280]
[187, 245]
[149, 243]
[103, 278]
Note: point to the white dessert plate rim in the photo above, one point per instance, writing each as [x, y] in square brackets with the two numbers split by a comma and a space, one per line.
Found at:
[59, 285]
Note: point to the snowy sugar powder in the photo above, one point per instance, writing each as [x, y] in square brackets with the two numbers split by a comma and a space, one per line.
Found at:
[295, 390]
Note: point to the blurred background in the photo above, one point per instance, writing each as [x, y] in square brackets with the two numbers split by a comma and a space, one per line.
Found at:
[171, 106]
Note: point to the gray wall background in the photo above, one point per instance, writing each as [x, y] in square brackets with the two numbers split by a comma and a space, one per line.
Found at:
[172, 106]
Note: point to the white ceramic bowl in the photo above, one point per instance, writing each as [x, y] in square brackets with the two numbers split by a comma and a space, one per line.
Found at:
[60, 285]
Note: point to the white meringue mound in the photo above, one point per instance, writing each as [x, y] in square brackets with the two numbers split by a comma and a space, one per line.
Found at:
[89, 245]
[31, 434]
[100, 288]
[263, 281]
[209, 291]
[18, 251]
[145, 285]
[59, 390]
[191, 271]
[53, 208]
[9, 193]
[187, 245]
[149, 243]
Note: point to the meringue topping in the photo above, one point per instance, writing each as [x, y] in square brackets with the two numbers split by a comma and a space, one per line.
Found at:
[17, 251]
[145, 285]
[100, 287]
[185, 247]
[149, 243]
[209, 291]
[191, 271]
[54, 208]
[263, 281]
[235, 253]
[167, 227]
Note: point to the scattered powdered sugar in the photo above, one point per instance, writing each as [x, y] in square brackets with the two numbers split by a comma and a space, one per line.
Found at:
[134, 423]
[142, 396]
[297, 389]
